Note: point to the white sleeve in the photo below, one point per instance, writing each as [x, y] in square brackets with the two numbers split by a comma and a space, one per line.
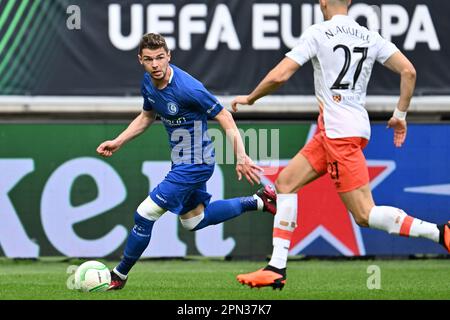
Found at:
[306, 49]
[385, 49]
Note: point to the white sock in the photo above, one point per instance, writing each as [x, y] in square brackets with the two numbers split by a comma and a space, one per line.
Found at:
[284, 225]
[280, 253]
[260, 202]
[121, 276]
[396, 221]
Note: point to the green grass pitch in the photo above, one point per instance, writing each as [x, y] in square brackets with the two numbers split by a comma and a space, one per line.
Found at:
[202, 279]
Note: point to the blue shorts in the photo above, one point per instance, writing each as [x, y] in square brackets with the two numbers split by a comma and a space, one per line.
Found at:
[180, 198]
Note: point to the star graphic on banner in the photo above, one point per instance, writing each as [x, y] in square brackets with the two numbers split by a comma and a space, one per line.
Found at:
[321, 212]
[435, 189]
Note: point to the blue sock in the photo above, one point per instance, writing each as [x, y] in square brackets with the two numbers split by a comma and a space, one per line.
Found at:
[137, 242]
[223, 210]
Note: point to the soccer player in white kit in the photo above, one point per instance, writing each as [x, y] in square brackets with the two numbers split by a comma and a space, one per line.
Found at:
[343, 54]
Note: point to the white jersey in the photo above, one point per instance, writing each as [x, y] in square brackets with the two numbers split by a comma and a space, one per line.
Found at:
[343, 54]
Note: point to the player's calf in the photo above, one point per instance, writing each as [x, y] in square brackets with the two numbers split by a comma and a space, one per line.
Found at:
[395, 221]
[223, 210]
[284, 226]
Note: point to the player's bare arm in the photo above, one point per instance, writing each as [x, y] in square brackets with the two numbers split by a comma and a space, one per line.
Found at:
[136, 127]
[401, 65]
[245, 166]
[273, 80]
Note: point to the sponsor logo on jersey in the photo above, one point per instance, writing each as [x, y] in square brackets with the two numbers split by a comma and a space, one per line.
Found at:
[212, 108]
[174, 122]
[161, 198]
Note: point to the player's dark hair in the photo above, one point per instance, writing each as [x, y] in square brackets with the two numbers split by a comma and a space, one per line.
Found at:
[152, 41]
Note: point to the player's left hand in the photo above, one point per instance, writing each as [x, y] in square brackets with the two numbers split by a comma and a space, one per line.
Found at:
[400, 129]
[239, 100]
[247, 168]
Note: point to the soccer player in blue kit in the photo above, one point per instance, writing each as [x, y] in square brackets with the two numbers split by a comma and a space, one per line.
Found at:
[184, 106]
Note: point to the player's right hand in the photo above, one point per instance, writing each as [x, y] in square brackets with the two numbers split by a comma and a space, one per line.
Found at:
[107, 148]
[247, 168]
[239, 100]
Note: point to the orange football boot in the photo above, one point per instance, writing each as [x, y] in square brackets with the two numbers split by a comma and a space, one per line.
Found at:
[267, 277]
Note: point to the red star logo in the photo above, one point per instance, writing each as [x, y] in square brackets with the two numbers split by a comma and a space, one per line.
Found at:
[321, 212]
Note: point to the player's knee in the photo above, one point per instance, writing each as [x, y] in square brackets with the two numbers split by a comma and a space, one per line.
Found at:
[150, 210]
[283, 187]
[191, 224]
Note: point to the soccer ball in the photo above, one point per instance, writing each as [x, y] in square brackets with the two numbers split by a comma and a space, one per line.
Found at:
[92, 276]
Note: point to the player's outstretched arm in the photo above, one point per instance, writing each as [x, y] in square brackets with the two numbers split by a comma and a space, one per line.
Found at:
[273, 80]
[136, 127]
[245, 166]
[401, 65]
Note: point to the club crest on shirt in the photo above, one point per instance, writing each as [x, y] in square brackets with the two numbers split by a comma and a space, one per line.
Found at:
[172, 108]
[337, 98]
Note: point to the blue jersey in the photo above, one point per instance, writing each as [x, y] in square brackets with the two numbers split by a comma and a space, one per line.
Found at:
[184, 107]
